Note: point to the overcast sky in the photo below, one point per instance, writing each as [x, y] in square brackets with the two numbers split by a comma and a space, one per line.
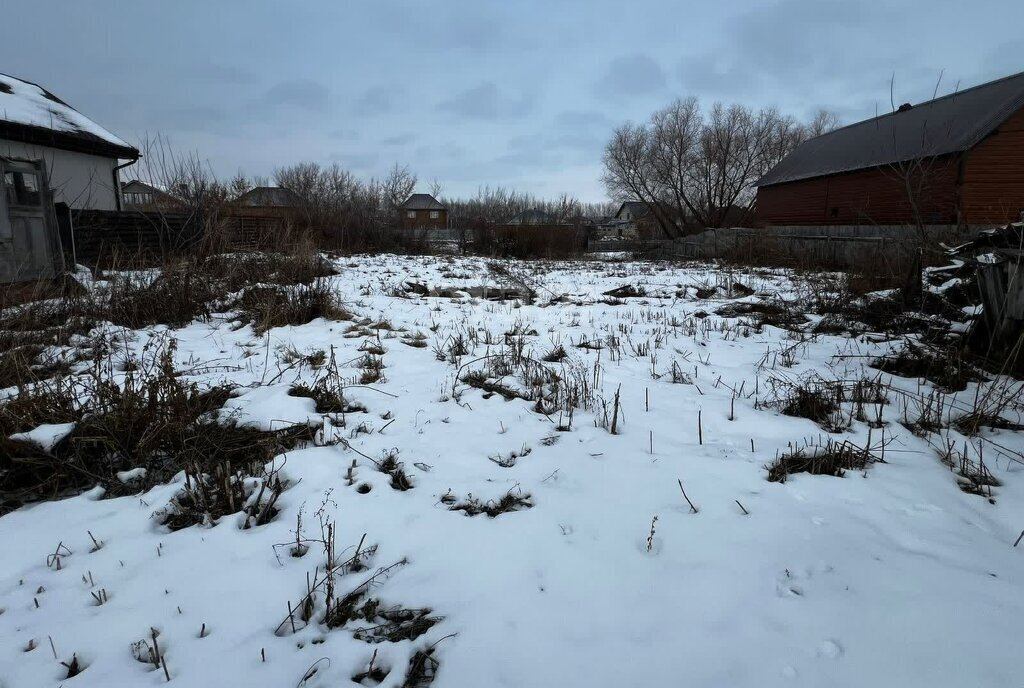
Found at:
[515, 93]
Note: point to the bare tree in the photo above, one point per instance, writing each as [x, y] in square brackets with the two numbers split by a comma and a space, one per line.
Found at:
[185, 177]
[920, 181]
[436, 188]
[692, 167]
[397, 186]
[823, 122]
[239, 185]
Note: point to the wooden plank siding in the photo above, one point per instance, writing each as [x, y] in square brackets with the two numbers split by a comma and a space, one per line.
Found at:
[982, 186]
[422, 219]
[876, 196]
[993, 189]
[101, 235]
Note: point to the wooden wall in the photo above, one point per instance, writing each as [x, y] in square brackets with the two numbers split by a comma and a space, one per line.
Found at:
[874, 196]
[981, 187]
[423, 220]
[993, 182]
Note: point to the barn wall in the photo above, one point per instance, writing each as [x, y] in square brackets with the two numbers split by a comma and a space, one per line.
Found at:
[78, 179]
[865, 197]
[993, 190]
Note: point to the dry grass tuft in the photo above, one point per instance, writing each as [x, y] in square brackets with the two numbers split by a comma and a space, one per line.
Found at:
[267, 307]
[946, 368]
[834, 458]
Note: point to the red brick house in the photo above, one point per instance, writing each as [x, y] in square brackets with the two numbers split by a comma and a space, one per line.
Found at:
[954, 160]
[422, 211]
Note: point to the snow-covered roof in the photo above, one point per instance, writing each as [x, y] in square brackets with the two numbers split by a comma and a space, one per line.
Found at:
[31, 114]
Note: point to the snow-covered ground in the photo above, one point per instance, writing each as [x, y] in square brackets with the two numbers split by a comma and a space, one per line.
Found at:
[888, 576]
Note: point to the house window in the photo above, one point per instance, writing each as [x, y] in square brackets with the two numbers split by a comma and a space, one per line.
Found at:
[411, 214]
[22, 188]
[434, 214]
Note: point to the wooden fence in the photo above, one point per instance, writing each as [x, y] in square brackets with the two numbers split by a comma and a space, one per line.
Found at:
[91, 237]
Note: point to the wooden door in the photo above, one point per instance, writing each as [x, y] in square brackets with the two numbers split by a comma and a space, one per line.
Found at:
[29, 243]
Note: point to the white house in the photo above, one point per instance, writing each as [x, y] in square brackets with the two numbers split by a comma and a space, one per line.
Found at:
[82, 159]
[49, 154]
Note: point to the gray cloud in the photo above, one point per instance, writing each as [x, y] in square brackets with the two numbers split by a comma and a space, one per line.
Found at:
[1004, 59]
[191, 118]
[583, 119]
[449, 152]
[715, 75]
[793, 47]
[301, 94]
[486, 102]
[343, 134]
[521, 94]
[398, 140]
[377, 100]
[218, 73]
[632, 75]
[361, 162]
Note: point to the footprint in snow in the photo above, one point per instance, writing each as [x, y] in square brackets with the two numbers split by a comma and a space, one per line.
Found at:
[786, 585]
[830, 649]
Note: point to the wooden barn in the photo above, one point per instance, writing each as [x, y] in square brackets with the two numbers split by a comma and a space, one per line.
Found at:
[955, 160]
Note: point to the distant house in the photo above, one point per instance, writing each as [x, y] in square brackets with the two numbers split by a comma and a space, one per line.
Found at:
[269, 201]
[958, 159]
[632, 211]
[138, 195]
[534, 216]
[82, 159]
[422, 211]
[642, 219]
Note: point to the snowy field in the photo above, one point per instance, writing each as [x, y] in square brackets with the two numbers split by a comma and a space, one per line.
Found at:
[500, 501]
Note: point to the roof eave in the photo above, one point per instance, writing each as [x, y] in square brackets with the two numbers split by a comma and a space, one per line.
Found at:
[78, 143]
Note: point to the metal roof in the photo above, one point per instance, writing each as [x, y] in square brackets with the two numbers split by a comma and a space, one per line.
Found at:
[950, 124]
[636, 208]
[139, 186]
[270, 196]
[421, 201]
